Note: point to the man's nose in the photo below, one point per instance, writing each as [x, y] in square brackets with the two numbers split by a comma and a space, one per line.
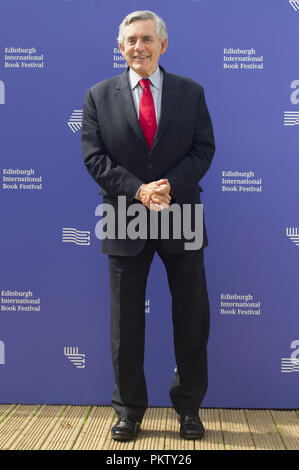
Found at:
[138, 44]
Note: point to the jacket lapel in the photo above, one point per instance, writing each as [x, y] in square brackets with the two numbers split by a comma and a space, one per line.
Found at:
[126, 103]
[168, 100]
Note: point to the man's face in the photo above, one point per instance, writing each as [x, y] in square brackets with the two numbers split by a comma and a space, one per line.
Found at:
[142, 47]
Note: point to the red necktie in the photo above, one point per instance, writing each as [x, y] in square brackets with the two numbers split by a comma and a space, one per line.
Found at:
[147, 115]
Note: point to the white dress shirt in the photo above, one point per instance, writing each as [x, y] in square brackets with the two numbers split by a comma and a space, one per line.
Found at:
[156, 80]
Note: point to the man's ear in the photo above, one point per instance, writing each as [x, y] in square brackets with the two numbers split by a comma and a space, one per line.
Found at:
[121, 48]
[164, 45]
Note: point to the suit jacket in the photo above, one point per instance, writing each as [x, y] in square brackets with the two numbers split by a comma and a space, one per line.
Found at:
[118, 158]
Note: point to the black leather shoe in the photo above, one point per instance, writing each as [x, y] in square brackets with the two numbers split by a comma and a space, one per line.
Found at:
[191, 427]
[125, 429]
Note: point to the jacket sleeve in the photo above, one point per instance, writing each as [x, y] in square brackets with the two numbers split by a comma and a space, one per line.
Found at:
[113, 178]
[192, 167]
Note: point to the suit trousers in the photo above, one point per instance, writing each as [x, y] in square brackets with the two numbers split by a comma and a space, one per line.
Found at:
[190, 317]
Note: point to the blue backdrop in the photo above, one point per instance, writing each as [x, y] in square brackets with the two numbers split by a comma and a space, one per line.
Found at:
[54, 318]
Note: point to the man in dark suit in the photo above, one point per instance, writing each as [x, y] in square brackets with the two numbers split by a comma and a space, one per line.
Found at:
[147, 137]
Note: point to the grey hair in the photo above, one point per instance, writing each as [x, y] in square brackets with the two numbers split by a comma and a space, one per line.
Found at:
[161, 28]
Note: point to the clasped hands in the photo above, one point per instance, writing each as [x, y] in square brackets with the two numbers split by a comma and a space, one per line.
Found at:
[155, 195]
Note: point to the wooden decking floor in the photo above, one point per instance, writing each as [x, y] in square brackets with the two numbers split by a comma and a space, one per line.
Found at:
[47, 427]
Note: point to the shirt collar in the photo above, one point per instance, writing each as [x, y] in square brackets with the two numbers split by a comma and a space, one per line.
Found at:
[154, 78]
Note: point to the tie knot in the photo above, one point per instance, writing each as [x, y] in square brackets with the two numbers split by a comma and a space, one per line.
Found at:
[145, 83]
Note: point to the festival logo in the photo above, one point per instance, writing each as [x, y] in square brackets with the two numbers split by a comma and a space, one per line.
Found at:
[75, 121]
[291, 364]
[294, 4]
[293, 234]
[72, 235]
[76, 358]
[291, 117]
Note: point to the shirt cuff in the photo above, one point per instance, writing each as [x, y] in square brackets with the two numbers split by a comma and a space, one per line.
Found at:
[137, 192]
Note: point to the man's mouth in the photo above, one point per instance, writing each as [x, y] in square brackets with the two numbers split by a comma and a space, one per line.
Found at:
[141, 57]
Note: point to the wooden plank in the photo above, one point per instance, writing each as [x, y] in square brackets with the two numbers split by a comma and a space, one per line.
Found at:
[55, 427]
[235, 429]
[5, 410]
[153, 430]
[96, 430]
[33, 436]
[15, 423]
[287, 423]
[64, 435]
[213, 438]
[263, 430]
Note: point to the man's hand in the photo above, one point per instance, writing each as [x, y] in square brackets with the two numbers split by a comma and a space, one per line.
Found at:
[155, 195]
